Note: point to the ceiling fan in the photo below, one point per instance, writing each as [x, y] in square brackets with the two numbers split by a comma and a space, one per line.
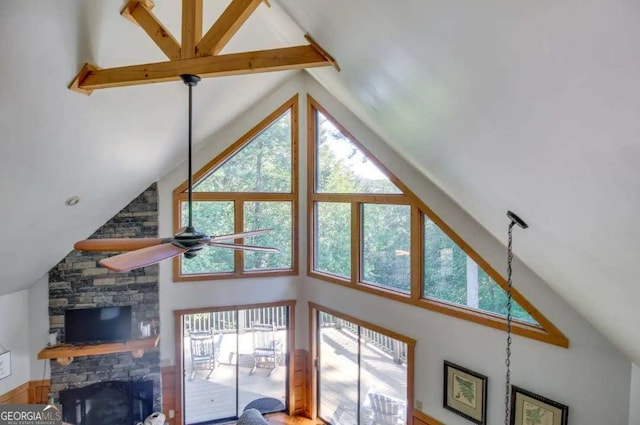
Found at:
[142, 252]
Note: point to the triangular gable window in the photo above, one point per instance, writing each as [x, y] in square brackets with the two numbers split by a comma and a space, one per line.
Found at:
[342, 167]
[262, 165]
[370, 232]
[249, 186]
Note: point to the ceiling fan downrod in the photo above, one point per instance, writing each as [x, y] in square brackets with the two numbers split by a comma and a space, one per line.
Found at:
[190, 81]
[190, 238]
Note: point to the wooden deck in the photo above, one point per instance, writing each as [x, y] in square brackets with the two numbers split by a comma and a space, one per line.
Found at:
[214, 398]
[339, 373]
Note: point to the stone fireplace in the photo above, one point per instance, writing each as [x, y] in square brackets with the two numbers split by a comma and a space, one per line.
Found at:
[108, 403]
[79, 282]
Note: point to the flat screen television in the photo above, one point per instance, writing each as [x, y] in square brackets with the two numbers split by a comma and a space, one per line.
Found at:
[91, 325]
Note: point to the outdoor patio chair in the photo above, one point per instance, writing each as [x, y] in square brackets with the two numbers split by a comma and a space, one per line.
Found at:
[386, 410]
[267, 348]
[205, 350]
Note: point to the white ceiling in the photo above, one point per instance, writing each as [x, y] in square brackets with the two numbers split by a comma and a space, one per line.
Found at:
[529, 106]
[108, 147]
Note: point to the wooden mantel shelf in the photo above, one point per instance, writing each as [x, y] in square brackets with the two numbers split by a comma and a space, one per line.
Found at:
[65, 353]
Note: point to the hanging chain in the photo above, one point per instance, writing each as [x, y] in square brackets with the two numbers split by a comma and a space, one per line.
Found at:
[507, 362]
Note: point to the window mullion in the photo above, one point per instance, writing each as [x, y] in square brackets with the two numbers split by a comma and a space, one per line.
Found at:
[238, 211]
[356, 241]
[417, 258]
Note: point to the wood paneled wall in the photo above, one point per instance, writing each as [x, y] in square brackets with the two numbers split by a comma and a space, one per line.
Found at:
[300, 396]
[169, 399]
[420, 418]
[18, 395]
[33, 392]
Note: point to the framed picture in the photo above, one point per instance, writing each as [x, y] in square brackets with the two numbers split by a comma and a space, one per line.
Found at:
[531, 409]
[5, 364]
[465, 393]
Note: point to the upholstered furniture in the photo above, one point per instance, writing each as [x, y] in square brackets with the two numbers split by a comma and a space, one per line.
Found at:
[252, 417]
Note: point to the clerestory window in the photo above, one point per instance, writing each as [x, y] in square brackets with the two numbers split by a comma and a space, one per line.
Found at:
[251, 185]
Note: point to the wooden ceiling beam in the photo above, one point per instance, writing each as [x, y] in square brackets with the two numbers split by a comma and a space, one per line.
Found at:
[139, 12]
[287, 58]
[191, 27]
[323, 52]
[233, 17]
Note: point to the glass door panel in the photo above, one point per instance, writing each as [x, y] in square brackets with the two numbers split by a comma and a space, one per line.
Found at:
[362, 374]
[234, 360]
[337, 370]
[262, 370]
[383, 379]
[210, 372]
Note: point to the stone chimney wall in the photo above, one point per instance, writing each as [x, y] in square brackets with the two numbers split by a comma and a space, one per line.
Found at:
[79, 282]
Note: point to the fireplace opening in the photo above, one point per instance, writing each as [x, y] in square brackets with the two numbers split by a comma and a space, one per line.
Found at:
[108, 403]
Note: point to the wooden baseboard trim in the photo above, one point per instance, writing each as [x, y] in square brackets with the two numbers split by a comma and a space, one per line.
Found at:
[169, 398]
[18, 395]
[420, 418]
[32, 392]
[39, 391]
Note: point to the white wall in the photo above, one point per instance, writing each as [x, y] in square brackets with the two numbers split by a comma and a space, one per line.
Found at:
[634, 396]
[14, 336]
[39, 327]
[177, 296]
[592, 377]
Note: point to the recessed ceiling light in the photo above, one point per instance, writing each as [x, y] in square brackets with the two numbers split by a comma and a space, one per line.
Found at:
[73, 201]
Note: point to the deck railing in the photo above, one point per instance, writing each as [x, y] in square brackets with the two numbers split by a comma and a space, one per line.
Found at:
[230, 321]
[387, 344]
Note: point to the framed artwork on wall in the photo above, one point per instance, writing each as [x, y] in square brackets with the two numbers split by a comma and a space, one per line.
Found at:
[528, 408]
[5, 363]
[465, 393]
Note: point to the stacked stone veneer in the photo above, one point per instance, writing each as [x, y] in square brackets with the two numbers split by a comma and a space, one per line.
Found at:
[79, 282]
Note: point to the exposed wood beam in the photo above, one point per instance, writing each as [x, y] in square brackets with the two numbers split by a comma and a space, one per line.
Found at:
[226, 26]
[298, 57]
[139, 12]
[191, 27]
[82, 75]
[128, 9]
[323, 52]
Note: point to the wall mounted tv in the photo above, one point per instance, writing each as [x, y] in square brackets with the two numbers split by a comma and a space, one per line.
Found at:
[92, 325]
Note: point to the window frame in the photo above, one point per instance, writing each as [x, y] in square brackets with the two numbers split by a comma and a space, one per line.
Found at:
[314, 346]
[240, 198]
[546, 331]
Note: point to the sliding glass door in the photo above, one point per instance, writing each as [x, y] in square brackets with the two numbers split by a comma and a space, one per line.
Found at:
[362, 374]
[234, 359]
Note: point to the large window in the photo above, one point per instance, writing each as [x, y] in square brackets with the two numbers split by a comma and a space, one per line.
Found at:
[370, 232]
[251, 185]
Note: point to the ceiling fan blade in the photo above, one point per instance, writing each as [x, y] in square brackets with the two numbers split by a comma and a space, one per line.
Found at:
[117, 244]
[239, 235]
[243, 247]
[141, 257]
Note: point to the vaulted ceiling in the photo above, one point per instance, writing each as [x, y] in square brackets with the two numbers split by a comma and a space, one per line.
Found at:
[529, 106]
